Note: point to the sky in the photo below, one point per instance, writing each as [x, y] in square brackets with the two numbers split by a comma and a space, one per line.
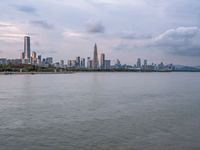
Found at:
[156, 30]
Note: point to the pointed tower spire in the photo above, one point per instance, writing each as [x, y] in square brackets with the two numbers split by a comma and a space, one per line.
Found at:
[95, 59]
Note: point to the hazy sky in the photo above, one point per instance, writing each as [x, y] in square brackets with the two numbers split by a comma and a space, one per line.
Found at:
[157, 30]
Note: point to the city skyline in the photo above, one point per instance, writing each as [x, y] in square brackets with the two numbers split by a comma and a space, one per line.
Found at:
[127, 30]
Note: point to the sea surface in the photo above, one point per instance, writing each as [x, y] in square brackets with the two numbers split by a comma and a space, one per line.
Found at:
[100, 111]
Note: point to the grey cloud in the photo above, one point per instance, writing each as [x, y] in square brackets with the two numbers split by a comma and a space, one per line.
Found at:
[131, 36]
[25, 8]
[181, 41]
[42, 23]
[95, 27]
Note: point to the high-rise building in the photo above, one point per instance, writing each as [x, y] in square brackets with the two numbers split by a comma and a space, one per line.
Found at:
[34, 58]
[78, 61]
[62, 63]
[82, 62]
[89, 63]
[139, 63]
[95, 64]
[102, 61]
[27, 48]
[34, 55]
[49, 60]
[107, 64]
[22, 55]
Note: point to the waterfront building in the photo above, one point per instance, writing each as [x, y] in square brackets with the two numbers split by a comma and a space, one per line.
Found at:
[139, 65]
[117, 64]
[3, 61]
[22, 55]
[107, 64]
[27, 48]
[62, 63]
[89, 63]
[34, 58]
[39, 59]
[78, 61]
[49, 60]
[102, 61]
[82, 62]
[95, 63]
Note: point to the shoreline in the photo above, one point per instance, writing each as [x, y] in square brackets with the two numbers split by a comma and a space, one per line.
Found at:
[71, 72]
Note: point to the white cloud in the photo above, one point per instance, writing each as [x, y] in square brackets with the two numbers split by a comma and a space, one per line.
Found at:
[10, 33]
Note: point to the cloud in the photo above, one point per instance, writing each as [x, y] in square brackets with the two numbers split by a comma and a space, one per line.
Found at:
[25, 8]
[72, 34]
[181, 41]
[131, 36]
[42, 23]
[10, 33]
[93, 26]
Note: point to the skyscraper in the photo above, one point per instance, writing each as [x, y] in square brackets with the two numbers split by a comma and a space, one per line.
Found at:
[95, 64]
[27, 48]
[139, 63]
[102, 61]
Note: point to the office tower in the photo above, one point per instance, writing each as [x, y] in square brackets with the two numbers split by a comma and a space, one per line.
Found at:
[138, 63]
[95, 64]
[49, 60]
[22, 55]
[107, 64]
[33, 58]
[145, 62]
[69, 63]
[78, 61]
[88, 63]
[34, 55]
[102, 61]
[39, 59]
[27, 48]
[82, 62]
[62, 63]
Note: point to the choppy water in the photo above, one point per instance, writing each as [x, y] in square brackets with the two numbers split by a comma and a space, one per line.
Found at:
[100, 111]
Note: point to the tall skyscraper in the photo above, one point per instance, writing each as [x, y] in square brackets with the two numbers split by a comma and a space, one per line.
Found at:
[82, 62]
[139, 63]
[78, 61]
[27, 48]
[102, 61]
[95, 64]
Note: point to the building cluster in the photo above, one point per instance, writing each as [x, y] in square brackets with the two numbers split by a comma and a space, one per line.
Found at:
[26, 57]
[90, 63]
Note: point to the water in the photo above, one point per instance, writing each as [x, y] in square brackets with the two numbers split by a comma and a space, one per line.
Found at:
[97, 111]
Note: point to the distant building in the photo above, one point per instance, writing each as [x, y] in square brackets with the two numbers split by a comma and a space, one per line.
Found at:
[82, 63]
[102, 61]
[27, 48]
[14, 61]
[117, 64]
[3, 61]
[107, 64]
[34, 58]
[145, 64]
[69, 63]
[89, 63]
[49, 60]
[78, 61]
[95, 64]
[62, 63]
[22, 55]
[39, 60]
[139, 65]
